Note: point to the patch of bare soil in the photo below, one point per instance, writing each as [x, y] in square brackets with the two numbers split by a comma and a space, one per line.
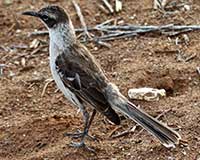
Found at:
[32, 126]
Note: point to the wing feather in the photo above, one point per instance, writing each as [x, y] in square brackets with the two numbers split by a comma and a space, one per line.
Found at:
[82, 75]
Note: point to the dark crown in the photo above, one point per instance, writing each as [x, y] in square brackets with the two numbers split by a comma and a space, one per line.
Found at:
[52, 15]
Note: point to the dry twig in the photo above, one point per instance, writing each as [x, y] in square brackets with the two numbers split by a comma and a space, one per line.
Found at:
[38, 33]
[48, 81]
[118, 5]
[112, 32]
[1, 68]
[85, 29]
[190, 57]
[198, 70]
[108, 5]
[80, 15]
[113, 131]
[102, 8]
[124, 133]
[159, 4]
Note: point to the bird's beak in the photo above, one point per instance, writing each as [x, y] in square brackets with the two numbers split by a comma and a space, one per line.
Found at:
[31, 13]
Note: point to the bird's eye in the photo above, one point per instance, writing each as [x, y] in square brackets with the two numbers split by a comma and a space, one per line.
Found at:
[45, 17]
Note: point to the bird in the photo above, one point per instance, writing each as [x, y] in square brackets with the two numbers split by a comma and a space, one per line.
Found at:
[83, 82]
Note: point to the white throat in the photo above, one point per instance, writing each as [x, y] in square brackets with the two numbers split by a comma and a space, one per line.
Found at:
[62, 36]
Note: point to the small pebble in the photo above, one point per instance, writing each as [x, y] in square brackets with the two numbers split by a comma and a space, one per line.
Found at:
[7, 2]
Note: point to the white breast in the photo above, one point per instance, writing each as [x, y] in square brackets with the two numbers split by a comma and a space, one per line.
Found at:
[58, 43]
[54, 52]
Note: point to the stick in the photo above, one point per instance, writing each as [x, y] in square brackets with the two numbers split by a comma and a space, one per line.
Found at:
[134, 28]
[105, 22]
[118, 5]
[101, 7]
[124, 133]
[78, 10]
[112, 32]
[108, 5]
[114, 130]
[117, 36]
[38, 33]
[101, 43]
[191, 57]
[198, 70]
[137, 29]
[48, 81]
[1, 68]
[80, 15]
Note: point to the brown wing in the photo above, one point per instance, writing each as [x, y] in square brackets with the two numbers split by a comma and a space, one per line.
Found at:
[82, 75]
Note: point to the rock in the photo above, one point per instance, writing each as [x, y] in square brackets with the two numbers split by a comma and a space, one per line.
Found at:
[148, 94]
[7, 2]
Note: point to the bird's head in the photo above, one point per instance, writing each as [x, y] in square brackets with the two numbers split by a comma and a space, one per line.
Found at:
[51, 16]
[58, 23]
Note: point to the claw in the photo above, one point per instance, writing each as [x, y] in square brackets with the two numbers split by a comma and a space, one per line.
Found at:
[82, 145]
[80, 134]
[93, 138]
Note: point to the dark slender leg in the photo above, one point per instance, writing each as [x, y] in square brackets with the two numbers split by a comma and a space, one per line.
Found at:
[87, 123]
[90, 121]
[87, 126]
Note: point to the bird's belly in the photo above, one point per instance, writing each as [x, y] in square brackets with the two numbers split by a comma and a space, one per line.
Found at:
[68, 94]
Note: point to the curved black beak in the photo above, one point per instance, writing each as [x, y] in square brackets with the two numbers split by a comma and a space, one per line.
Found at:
[31, 13]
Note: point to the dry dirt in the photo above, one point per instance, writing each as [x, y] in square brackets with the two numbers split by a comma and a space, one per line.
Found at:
[32, 126]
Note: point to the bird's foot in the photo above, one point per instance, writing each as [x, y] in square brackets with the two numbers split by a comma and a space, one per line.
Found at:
[80, 134]
[82, 145]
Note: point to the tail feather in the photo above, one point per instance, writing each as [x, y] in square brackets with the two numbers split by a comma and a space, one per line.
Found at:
[167, 136]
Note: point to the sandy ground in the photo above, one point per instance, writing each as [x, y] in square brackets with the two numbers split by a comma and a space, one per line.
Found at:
[32, 126]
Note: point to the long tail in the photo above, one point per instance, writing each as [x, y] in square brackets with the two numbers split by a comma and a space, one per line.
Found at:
[167, 136]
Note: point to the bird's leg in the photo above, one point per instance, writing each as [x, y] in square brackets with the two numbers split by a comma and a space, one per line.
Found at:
[91, 119]
[87, 123]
